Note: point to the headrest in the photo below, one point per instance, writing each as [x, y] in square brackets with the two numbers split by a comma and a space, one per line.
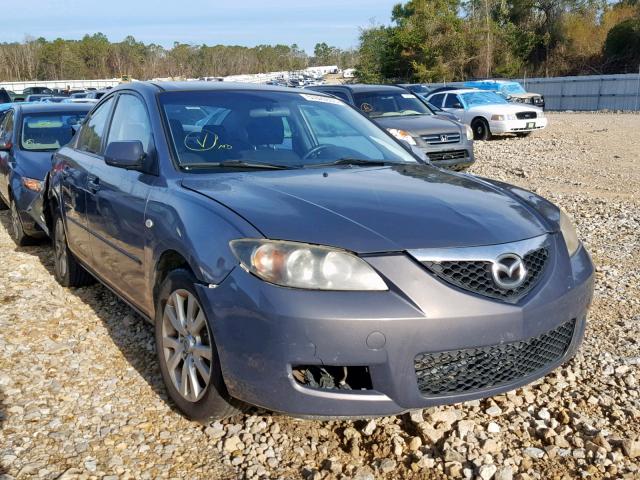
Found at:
[265, 131]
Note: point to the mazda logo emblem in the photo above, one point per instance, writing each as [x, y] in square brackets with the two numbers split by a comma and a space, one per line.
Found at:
[508, 271]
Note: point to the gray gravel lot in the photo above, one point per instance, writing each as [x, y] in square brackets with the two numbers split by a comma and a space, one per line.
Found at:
[81, 395]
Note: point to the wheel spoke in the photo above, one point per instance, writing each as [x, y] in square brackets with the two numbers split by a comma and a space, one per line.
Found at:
[174, 360]
[178, 303]
[184, 381]
[193, 380]
[172, 343]
[198, 323]
[204, 371]
[192, 307]
[203, 351]
[170, 312]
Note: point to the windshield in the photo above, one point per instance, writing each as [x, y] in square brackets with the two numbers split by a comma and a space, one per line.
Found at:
[474, 99]
[48, 131]
[513, 88]
[289, 130]
[390, 104]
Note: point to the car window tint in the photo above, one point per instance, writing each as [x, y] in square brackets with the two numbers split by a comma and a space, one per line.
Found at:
[437, 99]
[130, 122]
[90, 138]
[452, 101]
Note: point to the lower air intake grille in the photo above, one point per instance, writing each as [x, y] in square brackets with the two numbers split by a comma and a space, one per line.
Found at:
[450, 155]
[463, 371]
[476, 277]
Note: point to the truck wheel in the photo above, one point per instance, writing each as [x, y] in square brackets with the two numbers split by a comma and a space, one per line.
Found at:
[480, 129]
[17, 232]
[187, 352]
[67, 270]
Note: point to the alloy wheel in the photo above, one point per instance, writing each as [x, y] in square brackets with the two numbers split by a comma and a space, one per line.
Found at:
[186, 345]
[60, 249]
[15, 221]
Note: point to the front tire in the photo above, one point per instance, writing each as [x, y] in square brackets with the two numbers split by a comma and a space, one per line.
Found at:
[67, 270]
[481, 130]
[17, 232]
[187, 352]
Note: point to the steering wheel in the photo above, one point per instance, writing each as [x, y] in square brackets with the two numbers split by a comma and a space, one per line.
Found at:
[316, 151]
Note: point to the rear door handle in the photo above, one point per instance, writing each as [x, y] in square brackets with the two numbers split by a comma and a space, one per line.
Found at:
[93, 183]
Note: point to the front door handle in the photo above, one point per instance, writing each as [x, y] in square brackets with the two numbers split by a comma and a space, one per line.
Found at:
[93, 183]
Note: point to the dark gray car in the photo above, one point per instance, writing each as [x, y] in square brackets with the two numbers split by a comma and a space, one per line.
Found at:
[446, 142]
[295, 256]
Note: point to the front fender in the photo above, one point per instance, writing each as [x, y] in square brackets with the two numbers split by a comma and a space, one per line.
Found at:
[197, 228]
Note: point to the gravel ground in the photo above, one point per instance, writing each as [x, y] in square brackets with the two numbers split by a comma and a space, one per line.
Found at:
[81, 395]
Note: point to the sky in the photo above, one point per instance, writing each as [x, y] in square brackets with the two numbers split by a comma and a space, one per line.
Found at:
[241, 22]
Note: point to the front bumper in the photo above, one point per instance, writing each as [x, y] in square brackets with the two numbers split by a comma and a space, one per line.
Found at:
[29, 205]
[262, 331]
[518, 126]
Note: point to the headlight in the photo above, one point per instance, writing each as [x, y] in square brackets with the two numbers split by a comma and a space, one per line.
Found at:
[32, 184]
[569, 233]
[501, 118]
[299, 265]
[402, 135]
[469, 132]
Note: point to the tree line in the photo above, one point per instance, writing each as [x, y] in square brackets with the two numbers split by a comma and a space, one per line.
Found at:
[94, 56]
[427, 41]
[449, 40]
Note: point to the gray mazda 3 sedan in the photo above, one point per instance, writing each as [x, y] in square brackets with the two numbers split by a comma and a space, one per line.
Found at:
[294, 255]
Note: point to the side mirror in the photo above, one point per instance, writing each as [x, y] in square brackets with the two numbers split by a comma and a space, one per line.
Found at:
[128, 155]
[5, 146]
[457, 105]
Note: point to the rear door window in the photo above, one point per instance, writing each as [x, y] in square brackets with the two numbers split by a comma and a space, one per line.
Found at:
[437, 99]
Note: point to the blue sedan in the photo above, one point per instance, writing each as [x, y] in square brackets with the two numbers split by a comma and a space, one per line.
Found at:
[294, 255]
[29, 134]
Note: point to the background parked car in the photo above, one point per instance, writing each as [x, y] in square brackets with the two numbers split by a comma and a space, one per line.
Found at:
[446, 142]
[37, 91]
[4, 96]
[487, 113]
[29, 134]
[510, 90]
[418, 89]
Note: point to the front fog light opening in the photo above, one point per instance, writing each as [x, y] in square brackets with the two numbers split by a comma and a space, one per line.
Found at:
[333, 377]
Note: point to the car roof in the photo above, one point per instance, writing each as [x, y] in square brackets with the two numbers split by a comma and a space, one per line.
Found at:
[362, 88]
[201, 86]
[40, 107]
[460, 90]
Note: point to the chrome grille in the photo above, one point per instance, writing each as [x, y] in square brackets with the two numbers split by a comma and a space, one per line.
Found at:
[475, 276]
[526, 115]
[441, 138]
[473, 369]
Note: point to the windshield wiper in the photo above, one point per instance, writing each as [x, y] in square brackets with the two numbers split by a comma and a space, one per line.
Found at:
[352, 161]
[235, 164]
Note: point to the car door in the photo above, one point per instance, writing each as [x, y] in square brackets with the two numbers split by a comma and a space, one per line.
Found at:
[75, 164]
[6, 137]
[116, 202]
[453, 104]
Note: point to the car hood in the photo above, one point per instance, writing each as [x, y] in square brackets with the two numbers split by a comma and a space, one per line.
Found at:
[420, 124]
[374, 209]
[505, 109]
[34, 164]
